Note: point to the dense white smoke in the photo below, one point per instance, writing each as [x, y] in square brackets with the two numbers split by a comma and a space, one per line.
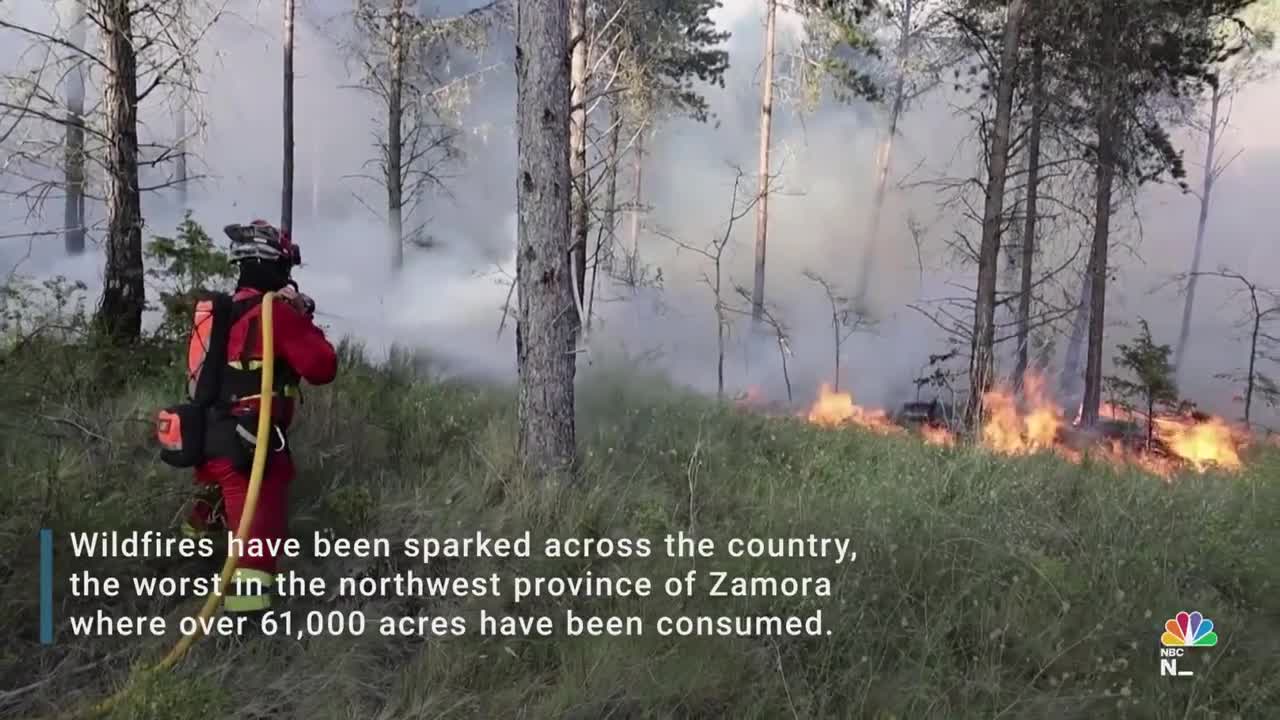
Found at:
[448, 299]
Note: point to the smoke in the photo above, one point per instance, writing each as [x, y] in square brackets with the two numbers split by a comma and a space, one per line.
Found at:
[448, 299]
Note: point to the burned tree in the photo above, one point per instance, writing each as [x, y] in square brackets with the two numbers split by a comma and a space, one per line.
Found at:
[547, 326]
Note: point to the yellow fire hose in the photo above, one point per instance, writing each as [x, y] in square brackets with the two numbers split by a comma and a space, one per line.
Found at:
[214, 599]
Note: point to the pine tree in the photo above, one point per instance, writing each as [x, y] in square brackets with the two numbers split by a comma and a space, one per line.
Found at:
[1152, 371]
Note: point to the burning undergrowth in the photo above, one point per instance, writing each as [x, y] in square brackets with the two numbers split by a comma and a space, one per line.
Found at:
[1031, 421]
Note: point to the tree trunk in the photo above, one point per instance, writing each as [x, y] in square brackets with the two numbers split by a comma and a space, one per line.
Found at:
[611, 190]
[1107, 123]
[578, 142]
[762, 202]
[1029, 227]
[637, 161]
[883, 158]
[547, 325]
[721, 323]
[180, 170]
[73, 210]
[1069, 382]
[786, 374]
[1151, 419]
[835, 330]
[1205, 193]
[885, 155]
[1253, 359]
[1098, 267]
[123, 293]
[395, 142]
[180, 122]
[981, 362]
[605, 241]
[286, 189]
[1008, 283]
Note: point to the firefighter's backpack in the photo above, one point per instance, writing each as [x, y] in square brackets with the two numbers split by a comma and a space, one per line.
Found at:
[182, 429]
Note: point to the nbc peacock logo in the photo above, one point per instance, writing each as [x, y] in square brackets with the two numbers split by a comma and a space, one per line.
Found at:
[1182, 631]
[1189, 629]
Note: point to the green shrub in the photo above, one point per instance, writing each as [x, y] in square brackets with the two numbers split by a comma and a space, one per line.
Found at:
[181, 267]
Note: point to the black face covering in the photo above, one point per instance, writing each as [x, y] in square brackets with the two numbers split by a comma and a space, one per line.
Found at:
[263, 276]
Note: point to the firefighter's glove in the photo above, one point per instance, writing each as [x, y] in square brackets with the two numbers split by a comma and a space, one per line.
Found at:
[299, 300]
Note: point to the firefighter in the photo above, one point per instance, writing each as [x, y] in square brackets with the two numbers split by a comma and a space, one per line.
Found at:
[265, 257]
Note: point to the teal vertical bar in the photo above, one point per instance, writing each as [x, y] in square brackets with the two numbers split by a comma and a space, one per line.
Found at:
[46, 586]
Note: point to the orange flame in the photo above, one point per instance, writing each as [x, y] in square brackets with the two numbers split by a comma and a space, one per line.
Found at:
[752, 396]
[837, 408]
[937, 436]
[1036, 423]
[1204, 444]
[1012, 431]
[1111, 411]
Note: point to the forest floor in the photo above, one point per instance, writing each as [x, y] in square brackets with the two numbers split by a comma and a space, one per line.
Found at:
[984, 586]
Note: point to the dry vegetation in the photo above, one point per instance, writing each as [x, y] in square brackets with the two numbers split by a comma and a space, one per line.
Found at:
[985, 586]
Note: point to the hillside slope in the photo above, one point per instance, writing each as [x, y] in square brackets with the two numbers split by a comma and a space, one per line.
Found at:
[984, 586]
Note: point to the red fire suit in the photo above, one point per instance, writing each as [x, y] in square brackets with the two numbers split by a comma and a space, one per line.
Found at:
[302, 346]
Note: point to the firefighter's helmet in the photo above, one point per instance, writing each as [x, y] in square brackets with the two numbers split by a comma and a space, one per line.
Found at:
[260, 240]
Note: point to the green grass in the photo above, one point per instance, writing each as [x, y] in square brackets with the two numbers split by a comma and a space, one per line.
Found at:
[984, 587]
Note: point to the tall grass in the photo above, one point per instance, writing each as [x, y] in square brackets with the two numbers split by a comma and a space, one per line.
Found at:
[985, 587]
